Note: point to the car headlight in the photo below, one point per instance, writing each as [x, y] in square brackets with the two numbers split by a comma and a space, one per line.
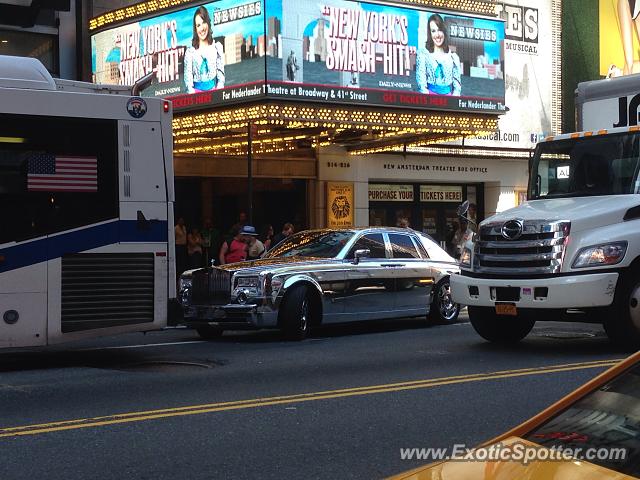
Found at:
[184, 283]
[465, 258]
[605, 254]
[251, 282]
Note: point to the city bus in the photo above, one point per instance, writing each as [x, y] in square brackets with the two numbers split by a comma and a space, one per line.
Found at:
[86, 208]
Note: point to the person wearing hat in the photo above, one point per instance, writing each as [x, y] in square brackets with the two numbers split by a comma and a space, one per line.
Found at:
[237, 249]
[255, 247]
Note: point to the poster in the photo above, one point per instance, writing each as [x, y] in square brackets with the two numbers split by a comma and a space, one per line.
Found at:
[619, 37]
[341, 51]
[339, 204]
[210, 53]
[528, 76]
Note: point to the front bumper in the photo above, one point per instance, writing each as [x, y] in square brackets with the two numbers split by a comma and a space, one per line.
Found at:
[231, 316]
[574, 291]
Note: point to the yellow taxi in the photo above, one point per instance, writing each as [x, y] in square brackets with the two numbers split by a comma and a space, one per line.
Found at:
[594, 432]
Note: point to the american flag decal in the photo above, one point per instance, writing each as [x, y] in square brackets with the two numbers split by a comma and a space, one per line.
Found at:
[62, 173]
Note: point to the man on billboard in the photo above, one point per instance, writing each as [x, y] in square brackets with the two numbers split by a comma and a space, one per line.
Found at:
[204, 59]
[292, 67]
[438, 68]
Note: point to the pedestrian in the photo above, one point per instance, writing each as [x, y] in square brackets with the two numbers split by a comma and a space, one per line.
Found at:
[287, 230]
[180, 231]
[194, 248]
[210, 241]
[255, 248]
[267, 236]
[236, 249]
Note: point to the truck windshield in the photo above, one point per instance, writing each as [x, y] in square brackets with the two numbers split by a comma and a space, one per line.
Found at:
[585, 166]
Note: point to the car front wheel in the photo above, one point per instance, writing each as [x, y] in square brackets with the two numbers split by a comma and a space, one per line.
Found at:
[499, 328]
[443, 309]
[296, 313]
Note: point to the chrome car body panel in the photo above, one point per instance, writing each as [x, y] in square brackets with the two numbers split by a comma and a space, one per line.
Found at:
[348, 289]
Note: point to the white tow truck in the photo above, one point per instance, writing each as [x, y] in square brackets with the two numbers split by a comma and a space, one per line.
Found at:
[572, 251]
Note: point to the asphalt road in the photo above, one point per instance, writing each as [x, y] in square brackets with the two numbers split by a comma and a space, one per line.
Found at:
[339, 405]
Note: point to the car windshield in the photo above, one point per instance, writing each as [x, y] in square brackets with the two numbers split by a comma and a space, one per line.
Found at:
[577, 167]
[604, 419]
[320, 244]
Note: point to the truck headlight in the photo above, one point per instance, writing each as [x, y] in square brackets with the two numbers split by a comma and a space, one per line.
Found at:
[605, 254]
[252, 282]
[465, 258]
[184, 283]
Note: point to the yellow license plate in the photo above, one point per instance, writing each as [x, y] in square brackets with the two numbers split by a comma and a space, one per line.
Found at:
[506, 309]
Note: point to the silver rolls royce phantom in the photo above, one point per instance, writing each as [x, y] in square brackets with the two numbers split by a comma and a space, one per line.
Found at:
[323, 276]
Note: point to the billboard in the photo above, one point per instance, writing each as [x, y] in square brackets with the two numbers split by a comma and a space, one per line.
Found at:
[362, 53]
[201, 51]
[619, 37]
[335, 51]
[528, 76]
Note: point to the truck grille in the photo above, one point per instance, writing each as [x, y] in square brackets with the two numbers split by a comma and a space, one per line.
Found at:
[531, 247]
[211, 286]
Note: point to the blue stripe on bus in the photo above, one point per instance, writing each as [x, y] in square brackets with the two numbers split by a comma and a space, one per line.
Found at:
[44, 249]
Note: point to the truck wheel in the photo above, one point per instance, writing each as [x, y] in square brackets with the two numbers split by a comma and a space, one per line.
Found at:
[622, 322]
[207, 332]
[296, 313]
[443, 309]
[499, 328]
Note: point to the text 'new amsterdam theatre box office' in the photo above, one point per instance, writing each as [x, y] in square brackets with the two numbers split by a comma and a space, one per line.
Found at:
[308, 75]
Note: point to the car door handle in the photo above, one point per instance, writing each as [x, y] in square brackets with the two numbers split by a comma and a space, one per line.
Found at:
[392, 264]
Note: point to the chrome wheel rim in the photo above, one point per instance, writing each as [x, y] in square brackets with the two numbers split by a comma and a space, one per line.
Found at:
[304, 315]
[634, 305]
[446, 305]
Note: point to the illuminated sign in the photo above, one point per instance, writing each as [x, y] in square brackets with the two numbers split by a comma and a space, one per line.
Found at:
[334, 51]
[213, 53]
[361, 53]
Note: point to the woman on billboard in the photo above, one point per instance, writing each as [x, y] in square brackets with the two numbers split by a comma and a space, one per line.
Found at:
[438, 69]
[204, 59]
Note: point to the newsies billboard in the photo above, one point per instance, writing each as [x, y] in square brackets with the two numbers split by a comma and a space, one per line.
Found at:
[213, 52]
[529, 67]
[336, 51]
[367, 54]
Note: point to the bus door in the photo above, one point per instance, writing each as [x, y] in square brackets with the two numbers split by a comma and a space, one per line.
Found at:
[23, 265]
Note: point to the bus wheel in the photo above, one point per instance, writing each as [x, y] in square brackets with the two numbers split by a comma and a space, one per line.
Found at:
[499, 328]
[296, 313]
[208, 332]
[622, 324]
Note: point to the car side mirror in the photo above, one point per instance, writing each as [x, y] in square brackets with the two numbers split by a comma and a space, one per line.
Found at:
[358, 254]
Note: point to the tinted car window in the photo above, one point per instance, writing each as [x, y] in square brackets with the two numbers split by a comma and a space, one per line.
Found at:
[402, 246]
[374, 242]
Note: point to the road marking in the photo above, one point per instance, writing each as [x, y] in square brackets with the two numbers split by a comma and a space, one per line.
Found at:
[289, 399]
[142, 345]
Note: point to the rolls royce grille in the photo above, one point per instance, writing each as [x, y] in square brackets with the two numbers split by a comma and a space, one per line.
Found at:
[211, 286]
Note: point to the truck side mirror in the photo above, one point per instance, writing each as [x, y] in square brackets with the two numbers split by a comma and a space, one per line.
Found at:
[463, 208]
[358, 254]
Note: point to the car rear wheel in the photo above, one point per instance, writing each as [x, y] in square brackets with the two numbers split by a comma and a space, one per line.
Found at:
[499, 328]
[207, 332]
[296, 313]
[443, 309]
